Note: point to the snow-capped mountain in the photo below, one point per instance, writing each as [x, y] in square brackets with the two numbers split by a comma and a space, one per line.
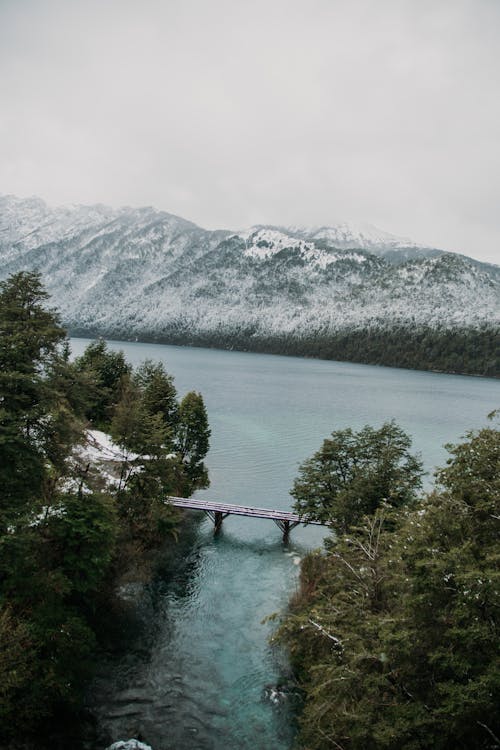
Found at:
[349, 235]
[145, 273]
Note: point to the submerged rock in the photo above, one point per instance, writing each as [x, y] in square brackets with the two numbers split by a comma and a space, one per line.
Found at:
[275, 694]
[282, 692]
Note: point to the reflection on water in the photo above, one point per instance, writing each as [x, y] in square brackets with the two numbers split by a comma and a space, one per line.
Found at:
[197, 670]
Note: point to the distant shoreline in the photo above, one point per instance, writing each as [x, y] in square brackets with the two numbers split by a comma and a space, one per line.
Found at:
[277, 347]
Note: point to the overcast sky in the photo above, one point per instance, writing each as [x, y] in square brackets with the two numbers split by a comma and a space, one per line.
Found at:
[237, 112]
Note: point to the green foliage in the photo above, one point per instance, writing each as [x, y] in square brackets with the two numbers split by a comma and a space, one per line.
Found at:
[149, 470]
[130, 427]
[80, 534]
[164, 444]
[450, 648]
[104, 370]
[473, 474]
[336, 632]
[192, 441]
[394, 631]
[16, 661]
[63, 646]
[28, 332]
[63, 532]
[29, 344]
[54, 549]
[158, 391]
[353, 473]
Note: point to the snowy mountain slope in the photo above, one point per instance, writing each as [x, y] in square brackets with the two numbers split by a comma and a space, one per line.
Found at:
[348, 235]
[146, 273]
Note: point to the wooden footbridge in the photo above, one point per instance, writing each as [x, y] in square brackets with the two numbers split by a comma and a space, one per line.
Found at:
[217, 512]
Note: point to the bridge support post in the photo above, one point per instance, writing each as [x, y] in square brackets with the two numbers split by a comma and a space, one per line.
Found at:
[286, 526]
[218, 521]
[217, 516]
[286, 531]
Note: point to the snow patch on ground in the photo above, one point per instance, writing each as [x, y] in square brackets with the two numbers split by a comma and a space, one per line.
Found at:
[101, 454]
[99, 446]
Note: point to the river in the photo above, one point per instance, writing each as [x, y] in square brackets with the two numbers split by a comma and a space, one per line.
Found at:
[197, 670]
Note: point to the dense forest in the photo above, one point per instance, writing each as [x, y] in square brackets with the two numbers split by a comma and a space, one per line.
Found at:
[466, 351]
[394, 630]
[70, 524]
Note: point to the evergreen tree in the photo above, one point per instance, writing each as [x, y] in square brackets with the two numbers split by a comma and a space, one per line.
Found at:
[48, 564]
[105, 370]
[149, 471]
[337, 634]
[30, 337]
[448, 650]
[192, 441]
[158, 392]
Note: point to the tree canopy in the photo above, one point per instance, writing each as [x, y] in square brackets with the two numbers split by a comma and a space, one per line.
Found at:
[105, 370]
[354, 472]
[394, 632]
[30, 339]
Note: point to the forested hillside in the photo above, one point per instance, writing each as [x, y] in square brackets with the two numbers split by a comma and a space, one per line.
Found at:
[89, 452]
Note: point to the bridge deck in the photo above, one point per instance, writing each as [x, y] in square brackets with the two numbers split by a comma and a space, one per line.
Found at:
[239, 510]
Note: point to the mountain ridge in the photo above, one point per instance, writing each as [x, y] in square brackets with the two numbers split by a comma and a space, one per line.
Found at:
[144, 273]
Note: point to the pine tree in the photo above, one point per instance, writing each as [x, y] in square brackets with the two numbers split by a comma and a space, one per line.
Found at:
[30, 338]
[192, 441]
[104, 370]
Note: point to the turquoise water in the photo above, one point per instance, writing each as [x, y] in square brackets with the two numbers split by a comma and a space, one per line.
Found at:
[196, 673]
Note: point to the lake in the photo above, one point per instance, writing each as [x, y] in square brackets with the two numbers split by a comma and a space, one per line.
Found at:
[199, 669]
